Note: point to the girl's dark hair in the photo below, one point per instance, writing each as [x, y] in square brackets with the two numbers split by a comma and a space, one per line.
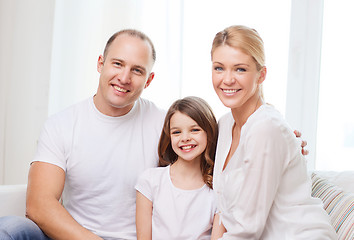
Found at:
[199, 110]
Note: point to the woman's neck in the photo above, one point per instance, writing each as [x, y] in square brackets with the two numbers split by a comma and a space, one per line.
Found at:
[242, 113]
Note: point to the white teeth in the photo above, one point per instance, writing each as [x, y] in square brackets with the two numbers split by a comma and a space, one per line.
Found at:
[186, 147]
[120, 89]
[229, 90]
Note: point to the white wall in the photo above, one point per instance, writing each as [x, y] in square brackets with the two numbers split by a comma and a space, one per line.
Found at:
[49, 51]
[25, 46]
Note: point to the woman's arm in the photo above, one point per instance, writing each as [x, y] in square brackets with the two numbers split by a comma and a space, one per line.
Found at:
[143, 217]
[218, 228]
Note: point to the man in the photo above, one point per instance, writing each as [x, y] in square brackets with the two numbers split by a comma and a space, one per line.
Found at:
[90, 155]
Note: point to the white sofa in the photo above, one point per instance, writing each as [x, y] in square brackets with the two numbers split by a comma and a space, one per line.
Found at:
[335, 189]
[13, 200]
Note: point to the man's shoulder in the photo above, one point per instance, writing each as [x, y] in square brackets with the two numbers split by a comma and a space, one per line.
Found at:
[149, 108]
[70, 113]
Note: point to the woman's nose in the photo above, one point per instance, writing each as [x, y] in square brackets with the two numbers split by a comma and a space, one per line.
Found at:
[229, 78]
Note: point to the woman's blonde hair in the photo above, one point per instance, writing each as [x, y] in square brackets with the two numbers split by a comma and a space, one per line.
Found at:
[244, 38]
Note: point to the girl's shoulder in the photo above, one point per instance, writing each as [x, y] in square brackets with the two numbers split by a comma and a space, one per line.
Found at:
[154, 172]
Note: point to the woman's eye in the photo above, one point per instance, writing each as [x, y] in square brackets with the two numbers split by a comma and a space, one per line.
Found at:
[218, 68]
[240, 70]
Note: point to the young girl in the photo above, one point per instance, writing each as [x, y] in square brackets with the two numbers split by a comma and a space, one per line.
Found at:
[175, 200]
[260, 176]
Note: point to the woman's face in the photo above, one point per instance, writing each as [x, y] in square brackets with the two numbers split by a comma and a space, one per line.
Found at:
[235, 77]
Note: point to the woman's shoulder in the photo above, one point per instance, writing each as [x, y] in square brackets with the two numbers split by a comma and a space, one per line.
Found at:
[226, 120]
[268, 121]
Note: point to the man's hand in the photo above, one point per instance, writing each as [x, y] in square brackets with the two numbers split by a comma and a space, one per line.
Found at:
[303, 143]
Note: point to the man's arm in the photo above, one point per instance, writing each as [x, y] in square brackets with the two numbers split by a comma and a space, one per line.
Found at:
[303, 143]
[45, 186]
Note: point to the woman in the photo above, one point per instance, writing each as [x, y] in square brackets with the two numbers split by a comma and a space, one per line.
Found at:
[260, 176]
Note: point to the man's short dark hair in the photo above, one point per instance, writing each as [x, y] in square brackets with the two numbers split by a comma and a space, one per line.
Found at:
[134, 33]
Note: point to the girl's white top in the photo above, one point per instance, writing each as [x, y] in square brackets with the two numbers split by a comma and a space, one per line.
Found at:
[177, 213]
[265, 192]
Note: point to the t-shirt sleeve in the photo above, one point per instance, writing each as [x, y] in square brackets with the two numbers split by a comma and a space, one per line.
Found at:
[144, 184]
[51, 144]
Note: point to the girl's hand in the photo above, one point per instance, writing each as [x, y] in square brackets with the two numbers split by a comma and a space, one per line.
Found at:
[218, 228]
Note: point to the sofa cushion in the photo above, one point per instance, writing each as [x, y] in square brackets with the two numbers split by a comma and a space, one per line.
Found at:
[338, 203]
[13, 200]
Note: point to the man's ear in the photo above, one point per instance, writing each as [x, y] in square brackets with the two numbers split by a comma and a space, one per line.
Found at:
[100, 63]
[262, 75]
[151, 76]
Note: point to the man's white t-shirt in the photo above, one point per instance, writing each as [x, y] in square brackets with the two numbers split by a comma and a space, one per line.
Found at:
[102, 157]
[177, 214]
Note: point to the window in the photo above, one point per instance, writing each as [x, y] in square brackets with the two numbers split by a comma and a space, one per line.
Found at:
[335, 132]
[190, 29]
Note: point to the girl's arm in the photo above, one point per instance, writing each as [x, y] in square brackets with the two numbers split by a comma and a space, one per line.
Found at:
[143, 217]
[218, 228]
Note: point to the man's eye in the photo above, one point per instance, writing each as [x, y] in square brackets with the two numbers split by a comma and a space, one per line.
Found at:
[138, 71]
[117, 64]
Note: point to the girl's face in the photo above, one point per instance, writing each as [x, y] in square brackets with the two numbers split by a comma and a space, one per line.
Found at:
[188, 139]
[235, 76]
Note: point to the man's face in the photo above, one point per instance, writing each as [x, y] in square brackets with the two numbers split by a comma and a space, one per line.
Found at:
[125, 72]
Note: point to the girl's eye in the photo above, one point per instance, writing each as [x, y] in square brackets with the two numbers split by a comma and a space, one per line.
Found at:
[196, 130]
[175, 132]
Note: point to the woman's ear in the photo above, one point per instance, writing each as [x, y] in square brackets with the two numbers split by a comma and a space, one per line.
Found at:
[262, 75]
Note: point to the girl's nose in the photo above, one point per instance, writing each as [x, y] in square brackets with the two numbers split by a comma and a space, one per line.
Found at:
[186, 137]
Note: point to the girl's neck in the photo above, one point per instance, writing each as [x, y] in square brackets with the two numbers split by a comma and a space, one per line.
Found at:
[186, 175]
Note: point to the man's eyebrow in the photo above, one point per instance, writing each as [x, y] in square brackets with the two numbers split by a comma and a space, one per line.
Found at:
[117, 59]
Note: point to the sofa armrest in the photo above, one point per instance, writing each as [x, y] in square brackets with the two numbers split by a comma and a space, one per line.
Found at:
[13, 200]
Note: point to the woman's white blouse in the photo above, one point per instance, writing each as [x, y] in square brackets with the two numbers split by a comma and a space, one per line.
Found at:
[264, 192]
